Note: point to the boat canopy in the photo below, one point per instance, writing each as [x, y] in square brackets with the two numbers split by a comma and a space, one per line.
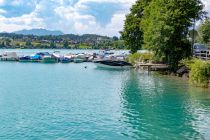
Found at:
[36, 57]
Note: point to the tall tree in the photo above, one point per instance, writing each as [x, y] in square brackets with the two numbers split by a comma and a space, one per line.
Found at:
[204, 31]
[132, 32]
[166, 24]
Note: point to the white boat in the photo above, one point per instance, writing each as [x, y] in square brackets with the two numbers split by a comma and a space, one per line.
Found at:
[79, 58]
[9, 56]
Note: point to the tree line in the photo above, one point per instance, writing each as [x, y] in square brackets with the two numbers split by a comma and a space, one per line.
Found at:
[67, 41]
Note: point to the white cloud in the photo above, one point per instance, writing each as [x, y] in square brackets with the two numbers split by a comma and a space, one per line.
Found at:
[1, 2]
[68, 18]
[27, 21]
[88, 24]
[2, 11]
[207, 5]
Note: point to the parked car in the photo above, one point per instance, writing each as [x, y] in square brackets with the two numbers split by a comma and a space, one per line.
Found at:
[199, 48]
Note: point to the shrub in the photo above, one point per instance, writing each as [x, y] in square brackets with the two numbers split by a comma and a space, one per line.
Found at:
[187, 62]
[199, 72]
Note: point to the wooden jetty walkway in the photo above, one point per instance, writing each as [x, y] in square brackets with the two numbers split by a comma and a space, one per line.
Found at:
[152, 66]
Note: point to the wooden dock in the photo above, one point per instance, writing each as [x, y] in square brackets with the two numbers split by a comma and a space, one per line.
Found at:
[151, 66]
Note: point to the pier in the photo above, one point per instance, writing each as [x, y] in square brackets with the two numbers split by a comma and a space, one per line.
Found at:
[151, 66]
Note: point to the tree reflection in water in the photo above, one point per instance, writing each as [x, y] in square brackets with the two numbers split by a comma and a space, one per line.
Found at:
[163, 108]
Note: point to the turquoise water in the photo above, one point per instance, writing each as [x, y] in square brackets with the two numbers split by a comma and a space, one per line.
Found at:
[67, 101]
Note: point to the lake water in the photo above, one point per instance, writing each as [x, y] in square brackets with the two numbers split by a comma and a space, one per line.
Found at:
[67, 101]
[62, 51]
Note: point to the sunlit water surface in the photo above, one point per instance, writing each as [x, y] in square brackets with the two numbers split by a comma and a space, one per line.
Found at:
[67, 101]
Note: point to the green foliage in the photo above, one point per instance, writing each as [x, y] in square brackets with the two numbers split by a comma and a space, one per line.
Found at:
[139, 57]
[165, 25]
[132, 33]
[200, 72]
[204, 31]
[104, 44]
[65, 44]
[119, 44]
[28, 43]
[52, 45]
[187, 62]
[84, 46]
[115, 38]
[61, 41]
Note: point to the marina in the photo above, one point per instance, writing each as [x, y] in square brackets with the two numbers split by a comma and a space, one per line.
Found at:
[58, 57]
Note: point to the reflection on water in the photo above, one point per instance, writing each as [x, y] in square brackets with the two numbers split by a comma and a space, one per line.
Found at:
[163, 108]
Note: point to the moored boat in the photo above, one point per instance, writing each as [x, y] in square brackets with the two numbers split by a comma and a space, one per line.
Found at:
[35, 58]
[78, 60]
[49, 59]
[9, 56]
[114, 64]
[25, 59]
[66, 60]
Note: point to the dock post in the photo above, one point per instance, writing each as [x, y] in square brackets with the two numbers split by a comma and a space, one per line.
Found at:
[149, 69]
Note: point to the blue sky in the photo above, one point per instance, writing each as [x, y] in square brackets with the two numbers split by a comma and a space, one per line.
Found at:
[103, 17]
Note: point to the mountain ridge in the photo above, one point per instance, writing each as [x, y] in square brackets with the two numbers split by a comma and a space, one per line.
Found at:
[38, 32]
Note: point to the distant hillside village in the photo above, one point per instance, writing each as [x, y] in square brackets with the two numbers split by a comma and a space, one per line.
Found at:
[67, 41]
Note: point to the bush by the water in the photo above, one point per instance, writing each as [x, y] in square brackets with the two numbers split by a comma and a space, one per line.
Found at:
[199, 72]
[139, 57]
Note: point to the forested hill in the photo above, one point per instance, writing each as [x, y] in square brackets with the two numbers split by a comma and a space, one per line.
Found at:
[65, 36]
[12, 40]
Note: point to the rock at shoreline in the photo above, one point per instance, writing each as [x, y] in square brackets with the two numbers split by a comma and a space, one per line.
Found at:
[182, 71]
[185, 76]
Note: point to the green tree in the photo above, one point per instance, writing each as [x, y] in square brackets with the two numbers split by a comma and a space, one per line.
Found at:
[115, 38]
[65, 44]
[2, 45]
[52, 45]
[8, 42]
[204, 31]
[119, 44]
[132, 32]
[166, 25]
[29, 44]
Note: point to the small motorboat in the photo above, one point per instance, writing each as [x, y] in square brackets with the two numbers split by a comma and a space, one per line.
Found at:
[25, 59]
[35, 58]
[49, 59]
[66, 60]
[78, 60]
[9, 56]
[114, 64]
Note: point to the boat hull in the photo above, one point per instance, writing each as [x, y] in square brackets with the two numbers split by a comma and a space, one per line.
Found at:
[99, 65]
[76, 60]
[49, 60]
